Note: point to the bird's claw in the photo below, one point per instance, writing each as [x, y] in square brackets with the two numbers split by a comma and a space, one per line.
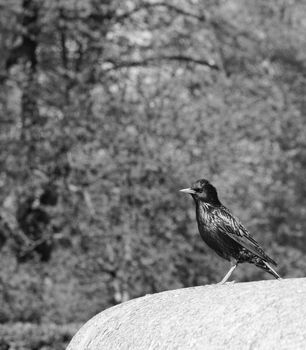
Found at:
[229, 282]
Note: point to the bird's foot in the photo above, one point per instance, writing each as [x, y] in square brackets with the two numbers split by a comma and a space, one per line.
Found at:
[230, 282]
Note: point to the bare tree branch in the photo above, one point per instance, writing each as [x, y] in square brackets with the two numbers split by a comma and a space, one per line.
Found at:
[146, 5]
[146, 61]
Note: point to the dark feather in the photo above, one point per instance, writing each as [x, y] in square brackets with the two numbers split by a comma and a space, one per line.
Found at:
[231, 226]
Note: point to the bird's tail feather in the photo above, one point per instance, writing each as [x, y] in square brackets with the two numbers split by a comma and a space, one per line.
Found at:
[265, 266]
[272, 271]
[271, 261]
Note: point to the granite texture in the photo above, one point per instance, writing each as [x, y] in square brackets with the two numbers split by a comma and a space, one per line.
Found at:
[256, 315]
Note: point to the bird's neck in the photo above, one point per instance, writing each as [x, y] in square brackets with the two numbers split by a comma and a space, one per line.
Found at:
[208, 205]
[204, 205]
[203, 213]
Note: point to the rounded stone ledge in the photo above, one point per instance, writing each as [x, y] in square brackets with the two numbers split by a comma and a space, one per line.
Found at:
[256, 315]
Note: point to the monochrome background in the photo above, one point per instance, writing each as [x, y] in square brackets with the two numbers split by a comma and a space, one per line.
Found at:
[107, 109]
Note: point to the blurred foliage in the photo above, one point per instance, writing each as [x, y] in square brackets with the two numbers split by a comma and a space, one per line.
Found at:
[107, 109]
[20, 336]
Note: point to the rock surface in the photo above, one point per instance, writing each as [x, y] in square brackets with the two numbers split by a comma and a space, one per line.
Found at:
[257, 315]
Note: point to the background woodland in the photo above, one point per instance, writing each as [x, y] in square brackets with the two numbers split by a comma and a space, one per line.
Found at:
[107, 109]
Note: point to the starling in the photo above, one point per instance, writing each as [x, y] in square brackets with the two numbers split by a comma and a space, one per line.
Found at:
[224, 233]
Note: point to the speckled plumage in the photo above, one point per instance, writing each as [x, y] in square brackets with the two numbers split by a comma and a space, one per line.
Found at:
[223, 232]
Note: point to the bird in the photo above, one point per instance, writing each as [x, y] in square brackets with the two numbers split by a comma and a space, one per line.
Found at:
[224, 233]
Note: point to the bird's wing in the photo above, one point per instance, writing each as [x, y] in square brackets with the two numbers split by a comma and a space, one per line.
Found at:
[232, 227]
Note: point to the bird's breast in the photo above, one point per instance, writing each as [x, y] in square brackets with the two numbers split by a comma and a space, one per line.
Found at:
[210, 233]
[205, 222]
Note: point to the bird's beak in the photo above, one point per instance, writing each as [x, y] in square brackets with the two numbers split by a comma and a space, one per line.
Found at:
[188, 190]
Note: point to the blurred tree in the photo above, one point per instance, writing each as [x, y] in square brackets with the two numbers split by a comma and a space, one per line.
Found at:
[107, 109]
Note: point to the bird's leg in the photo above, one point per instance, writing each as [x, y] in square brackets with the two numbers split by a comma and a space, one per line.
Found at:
[227, 276]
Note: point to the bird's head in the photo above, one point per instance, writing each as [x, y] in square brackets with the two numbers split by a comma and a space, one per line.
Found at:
[203, 191]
